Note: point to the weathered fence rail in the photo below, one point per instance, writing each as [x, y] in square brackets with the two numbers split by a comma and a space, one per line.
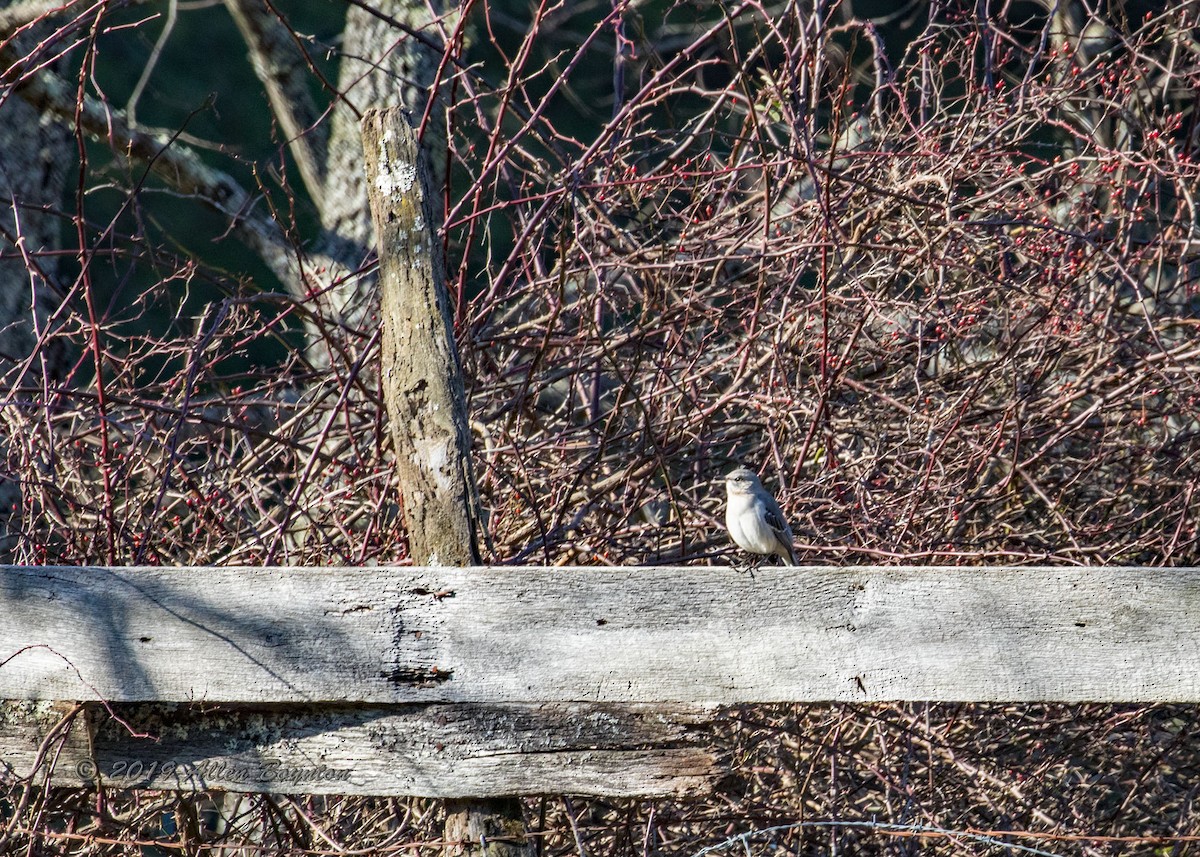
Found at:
[443, 751]
[504, 681]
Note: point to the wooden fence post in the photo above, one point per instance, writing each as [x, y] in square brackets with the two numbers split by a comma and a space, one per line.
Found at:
[426, 404]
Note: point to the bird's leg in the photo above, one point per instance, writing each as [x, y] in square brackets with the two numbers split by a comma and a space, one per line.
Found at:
[747, 562]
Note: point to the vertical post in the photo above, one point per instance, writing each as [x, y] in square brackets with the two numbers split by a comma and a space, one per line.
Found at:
[422, 380]
[426, 405]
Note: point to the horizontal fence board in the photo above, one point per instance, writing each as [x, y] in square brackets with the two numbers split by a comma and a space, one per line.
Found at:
[443, 751]
[698, 635]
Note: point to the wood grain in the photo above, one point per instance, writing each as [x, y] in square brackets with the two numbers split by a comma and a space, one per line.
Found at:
[604, 635]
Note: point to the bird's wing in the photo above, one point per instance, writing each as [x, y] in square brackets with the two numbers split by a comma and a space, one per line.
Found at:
[774, 517]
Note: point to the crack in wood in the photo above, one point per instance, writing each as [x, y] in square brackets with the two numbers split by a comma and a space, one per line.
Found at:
[438, 594]
[417, 676]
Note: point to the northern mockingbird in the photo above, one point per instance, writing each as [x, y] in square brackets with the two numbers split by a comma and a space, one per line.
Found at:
[755, 521]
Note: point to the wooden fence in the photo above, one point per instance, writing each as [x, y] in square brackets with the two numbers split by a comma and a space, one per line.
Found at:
[451, 682]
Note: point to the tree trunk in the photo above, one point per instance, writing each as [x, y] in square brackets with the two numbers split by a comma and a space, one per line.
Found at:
[33, 164]
[376, 71]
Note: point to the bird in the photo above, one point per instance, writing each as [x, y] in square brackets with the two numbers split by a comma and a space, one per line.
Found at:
[755, 521]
